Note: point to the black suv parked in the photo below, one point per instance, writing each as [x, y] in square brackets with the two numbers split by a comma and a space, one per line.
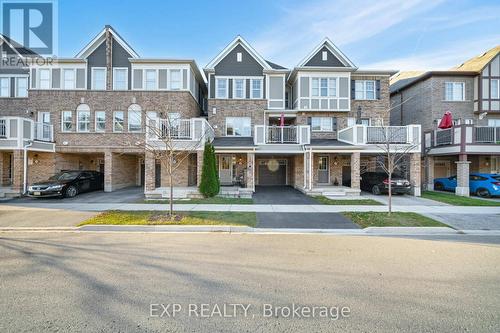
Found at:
[68, 184]
[378, 183]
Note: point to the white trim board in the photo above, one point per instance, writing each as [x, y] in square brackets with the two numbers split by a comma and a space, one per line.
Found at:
[332, 48]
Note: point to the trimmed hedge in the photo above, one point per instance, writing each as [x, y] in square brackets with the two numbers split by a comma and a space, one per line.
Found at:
[209, 184]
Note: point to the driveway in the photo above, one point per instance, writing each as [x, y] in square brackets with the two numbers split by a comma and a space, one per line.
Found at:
[403, 200]
[469, 221]
[286, 195]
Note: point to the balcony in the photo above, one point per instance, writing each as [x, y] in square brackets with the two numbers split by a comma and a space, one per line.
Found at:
[18, 132]
[381, 135]
[463, 139]
[282, 134]
[194, 130]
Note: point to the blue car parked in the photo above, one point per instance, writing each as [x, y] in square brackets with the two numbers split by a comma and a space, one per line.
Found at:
[481, 184]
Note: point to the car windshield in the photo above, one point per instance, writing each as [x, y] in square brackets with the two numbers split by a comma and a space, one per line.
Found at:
[65, 175]
[496, 177]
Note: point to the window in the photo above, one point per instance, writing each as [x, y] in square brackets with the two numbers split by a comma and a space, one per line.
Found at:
[5, 87]
[83, 121]
[454, 91]
[99, 78]
[22, 87]
[256, 88]
[69, 79]
[175, 79]
[495, 89]
[120, 78]
[364, 89]
[494, 122]
[44, 78]
[321, 124]
[118, 121]
[364, 121]
[150, 79]
[238, 126]
[220, 88]
[238, 57]
[100, 121]
[324, 87]
[66, 121]
[324, 55]
[134, 121]
[239, 88]
[468, 121]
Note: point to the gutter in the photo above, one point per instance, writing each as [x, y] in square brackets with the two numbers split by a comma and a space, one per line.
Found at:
[25, 168]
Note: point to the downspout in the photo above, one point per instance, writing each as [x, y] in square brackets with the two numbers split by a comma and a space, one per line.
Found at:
[25, 168]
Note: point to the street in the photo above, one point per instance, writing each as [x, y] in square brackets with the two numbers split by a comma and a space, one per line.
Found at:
[109, 282]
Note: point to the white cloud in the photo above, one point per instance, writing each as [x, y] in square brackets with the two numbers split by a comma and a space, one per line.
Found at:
[448, 56]
[344, 21]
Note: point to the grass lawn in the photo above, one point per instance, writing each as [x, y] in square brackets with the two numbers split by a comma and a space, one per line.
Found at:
[456, 200]
[116, 217]
[327, 201]
[396, 219]
[212, 201]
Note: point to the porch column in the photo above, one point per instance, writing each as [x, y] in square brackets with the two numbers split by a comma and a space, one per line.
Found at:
[108, 171]
[308, 164]
[199, 166]
[415, 174]
[250, 171]
[149, 171]
[429, 173]
[18, 170]
[3, 170]
[462, 188]
[355, 170]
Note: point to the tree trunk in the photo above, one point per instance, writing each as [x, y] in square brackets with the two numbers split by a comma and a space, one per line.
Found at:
[171, 199]
[390, 168]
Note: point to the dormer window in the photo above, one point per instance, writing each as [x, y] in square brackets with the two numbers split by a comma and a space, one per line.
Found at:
[324, 56]
[238, 56]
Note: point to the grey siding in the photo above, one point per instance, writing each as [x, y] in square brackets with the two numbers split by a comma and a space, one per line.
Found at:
[332, 60]
[95, 59]
[162, 78]
[212, 86]
[137, 79]
[121, 59]
[56, 78]
[247, 67]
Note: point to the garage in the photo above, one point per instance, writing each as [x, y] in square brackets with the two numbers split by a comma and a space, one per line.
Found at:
[272, 172]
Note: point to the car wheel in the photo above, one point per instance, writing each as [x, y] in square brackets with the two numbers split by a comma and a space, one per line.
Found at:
[439, 186]
[71, 192]
[375, 190]
[483, 193]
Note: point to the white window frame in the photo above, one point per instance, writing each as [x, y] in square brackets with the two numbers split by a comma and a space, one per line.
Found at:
[93, 85]
[155, 85]
[454, 85]
[239, 57]
[249, 134]
[244, 87]
[47, 80]
[364, 90]
[63, 121]
[117, 69]
[72, 83]
[115, 122]
[217, 80]
[171, 81]
[129, 116]
[498, 89]
[323, 127]
[78, 121]
[494, 122]
[96, 128]
[261, 89]
[2, 87]
[329, 80]
[324, 55]
[25, 94]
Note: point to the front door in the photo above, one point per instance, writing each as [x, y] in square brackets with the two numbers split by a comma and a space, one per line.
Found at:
[226, 169]
[192, 170]
[323, 170]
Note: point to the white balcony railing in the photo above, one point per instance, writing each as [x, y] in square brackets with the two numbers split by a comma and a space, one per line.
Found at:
[485, 134]
[194, 129]
[282, 134]
[20, 130]
[464, 134]
[363, 135]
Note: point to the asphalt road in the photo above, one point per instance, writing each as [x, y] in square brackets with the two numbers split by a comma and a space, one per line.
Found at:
[103, 282]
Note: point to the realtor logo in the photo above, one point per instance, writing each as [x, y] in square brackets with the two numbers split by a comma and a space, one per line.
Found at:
[32, 24]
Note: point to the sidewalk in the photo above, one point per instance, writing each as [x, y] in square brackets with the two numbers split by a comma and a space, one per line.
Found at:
[99, 207]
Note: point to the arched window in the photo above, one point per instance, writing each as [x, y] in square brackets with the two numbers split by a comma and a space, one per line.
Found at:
[83, 118]
[134, 118]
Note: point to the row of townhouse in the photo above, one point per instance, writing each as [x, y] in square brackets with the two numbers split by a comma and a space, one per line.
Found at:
[95, 112]
[471, 92]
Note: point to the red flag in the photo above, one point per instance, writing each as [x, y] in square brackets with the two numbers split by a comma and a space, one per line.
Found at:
[446, 121]
[282, 120]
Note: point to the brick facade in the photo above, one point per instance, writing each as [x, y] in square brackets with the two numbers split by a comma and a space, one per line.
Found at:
[234, 108]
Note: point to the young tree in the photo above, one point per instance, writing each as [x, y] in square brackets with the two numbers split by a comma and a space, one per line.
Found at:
[209, 184]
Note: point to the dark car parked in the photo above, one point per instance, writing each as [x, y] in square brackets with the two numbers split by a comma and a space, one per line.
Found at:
[378, 183]
[68, 184]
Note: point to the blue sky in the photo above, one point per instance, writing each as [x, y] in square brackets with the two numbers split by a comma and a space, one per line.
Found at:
[390, 34]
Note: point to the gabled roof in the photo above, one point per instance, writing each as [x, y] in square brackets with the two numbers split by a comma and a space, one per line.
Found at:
[479, 62]
[241, 41]
[17, 48]
[407, 81]
[326, 42]
[94, 43]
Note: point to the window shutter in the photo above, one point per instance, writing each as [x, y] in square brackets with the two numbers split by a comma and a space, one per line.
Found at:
[334, 123]
[137, 79]
[56, 78]
[162, 78]
[353, 89]
[80, 78]
[33, 78]
[377, 85]
[309, 121]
